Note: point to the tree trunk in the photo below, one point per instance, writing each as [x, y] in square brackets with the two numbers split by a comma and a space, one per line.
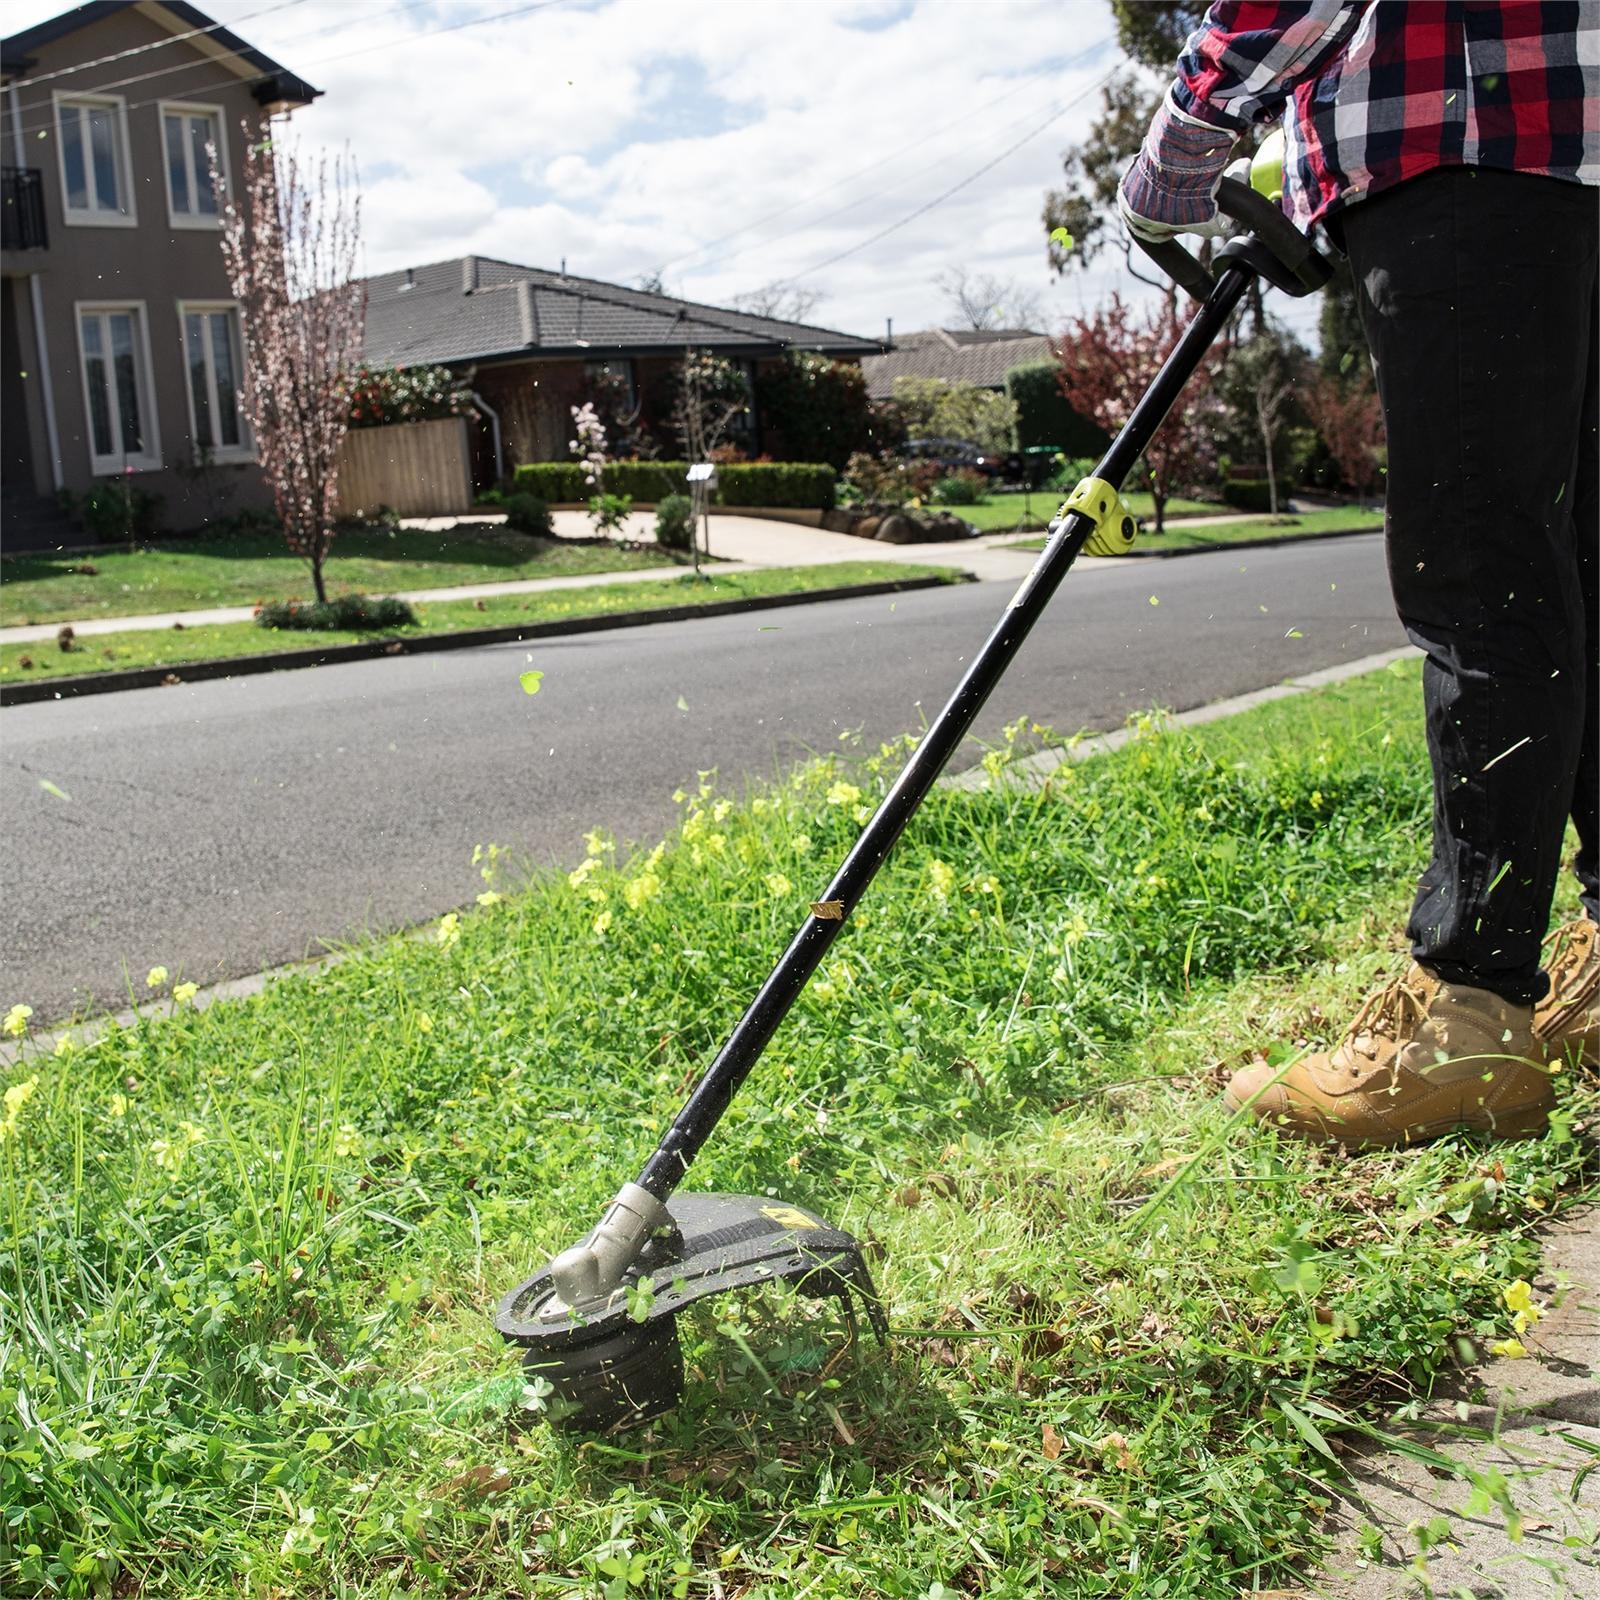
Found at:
[1158, 494]
[319, 551]
[1272, 476]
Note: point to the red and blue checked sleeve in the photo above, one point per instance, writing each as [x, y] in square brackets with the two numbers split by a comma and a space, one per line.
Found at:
[1243, 62]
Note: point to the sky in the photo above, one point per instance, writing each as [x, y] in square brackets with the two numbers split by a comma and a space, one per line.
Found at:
[725, 144]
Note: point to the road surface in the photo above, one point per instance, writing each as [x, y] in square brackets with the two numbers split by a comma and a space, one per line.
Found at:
[220, 828]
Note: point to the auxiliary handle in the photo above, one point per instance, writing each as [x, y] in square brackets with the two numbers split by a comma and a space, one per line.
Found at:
[1271, 244]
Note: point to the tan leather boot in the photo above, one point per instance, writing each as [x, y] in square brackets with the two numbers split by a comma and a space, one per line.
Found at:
[1422, 1057]
[1567, 1021]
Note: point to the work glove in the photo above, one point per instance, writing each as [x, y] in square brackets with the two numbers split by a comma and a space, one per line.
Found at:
[1172, 184]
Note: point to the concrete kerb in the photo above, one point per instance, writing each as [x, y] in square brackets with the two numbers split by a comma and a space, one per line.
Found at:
[1037, 769]
[88, 683]
[1034, 768]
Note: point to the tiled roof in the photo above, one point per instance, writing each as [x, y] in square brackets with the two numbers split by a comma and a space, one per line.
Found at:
[959, 355]
[476, 308]
[277, 84]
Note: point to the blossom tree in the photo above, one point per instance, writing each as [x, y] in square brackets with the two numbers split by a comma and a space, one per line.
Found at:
[1107, 361]
[291, 241]
[1350, 420]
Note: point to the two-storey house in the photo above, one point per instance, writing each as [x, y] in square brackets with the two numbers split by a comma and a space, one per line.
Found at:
[119, 341]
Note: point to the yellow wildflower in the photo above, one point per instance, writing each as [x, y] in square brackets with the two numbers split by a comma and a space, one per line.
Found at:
[641, 889]
[65, 1045]
[118, 1105]
[156, 978]
[720, 810]
[1518, 1294]
[801, 844]
[490, 898]
[597, 841]
[16, 1022]
[778, 886]
[580, 874]
[941, 879]
[347, 1141]
[12, 1102]
[424, 1022]
[602, 923]
[183, 993]
[841, 793]
[449, 929]
[1511, 1348]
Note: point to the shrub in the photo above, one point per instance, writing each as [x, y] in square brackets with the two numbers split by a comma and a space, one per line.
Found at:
[817, 407]
[1247, 494]
[346, 611]
[382, 396]
[527, 513]
[1045, 418]
[246, 523]
[961, 488]
[675, 523]
[886, 480]
[117, 509]
[941, 409]
[609, 512]
[800, 484]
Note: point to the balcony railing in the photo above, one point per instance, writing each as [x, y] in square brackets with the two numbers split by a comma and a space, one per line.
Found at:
[22, 209]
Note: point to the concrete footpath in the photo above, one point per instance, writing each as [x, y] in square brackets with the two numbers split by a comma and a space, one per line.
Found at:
[1529, 1427]
[739, 544]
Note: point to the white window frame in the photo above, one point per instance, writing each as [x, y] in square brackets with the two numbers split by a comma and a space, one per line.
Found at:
[225, 454]
[188, 108]
[149, 460]
[92, 217]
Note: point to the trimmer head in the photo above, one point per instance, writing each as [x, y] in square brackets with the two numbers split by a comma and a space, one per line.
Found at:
[609, 1368]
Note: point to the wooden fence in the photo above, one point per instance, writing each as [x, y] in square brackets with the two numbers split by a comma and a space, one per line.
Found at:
[418, 469]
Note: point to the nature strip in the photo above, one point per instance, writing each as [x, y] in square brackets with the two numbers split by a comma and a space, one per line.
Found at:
[67, 688]
[1244, 544]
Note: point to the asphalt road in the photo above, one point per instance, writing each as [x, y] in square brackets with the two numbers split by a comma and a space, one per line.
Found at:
[219, 828]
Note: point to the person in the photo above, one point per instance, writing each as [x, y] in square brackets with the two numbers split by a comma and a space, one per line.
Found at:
[1452, 150]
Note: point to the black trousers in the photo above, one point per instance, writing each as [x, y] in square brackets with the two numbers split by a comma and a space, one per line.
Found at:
[1478, 296]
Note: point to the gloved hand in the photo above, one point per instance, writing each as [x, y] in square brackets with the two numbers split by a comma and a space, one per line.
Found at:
[1171, 186]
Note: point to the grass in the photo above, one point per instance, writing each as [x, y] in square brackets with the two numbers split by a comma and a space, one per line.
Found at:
[246, 1253]
[1003, 511]
[1179, 537]
[240, 569]
[161, 647]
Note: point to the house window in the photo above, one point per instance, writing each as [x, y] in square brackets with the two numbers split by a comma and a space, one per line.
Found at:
[186, 131]
[211, 352]
[93, 146]
[114, 350]
[616, 378]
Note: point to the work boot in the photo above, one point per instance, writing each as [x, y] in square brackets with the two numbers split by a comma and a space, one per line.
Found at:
[1567, 1021]
[1422, 1057]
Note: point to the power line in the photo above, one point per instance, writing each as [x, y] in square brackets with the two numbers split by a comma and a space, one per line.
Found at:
[955, 188]
[860, 172]
[144, 49]
[839, 211]
[221, 83]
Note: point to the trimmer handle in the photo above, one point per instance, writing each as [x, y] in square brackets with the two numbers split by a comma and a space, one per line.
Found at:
[1271, 244]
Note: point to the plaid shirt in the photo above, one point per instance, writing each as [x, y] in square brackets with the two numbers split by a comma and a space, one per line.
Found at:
[1382, 90]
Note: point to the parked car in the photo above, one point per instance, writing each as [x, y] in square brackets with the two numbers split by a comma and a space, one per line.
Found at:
[953, 454]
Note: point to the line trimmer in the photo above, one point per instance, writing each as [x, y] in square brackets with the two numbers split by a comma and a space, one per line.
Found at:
[599, 1321]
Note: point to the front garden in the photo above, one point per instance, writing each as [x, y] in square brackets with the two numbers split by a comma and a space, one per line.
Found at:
[248, 1253]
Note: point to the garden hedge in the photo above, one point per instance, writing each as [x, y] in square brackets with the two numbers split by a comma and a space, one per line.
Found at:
[1045, 418]
[804, 485]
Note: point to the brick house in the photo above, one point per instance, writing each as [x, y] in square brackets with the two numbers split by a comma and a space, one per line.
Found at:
[121, 350]
[535, 343]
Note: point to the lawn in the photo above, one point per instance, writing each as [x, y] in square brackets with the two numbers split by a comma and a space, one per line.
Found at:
[247, 1253]
[1179, 537]
[160, 647]
[1005, 511]
[200, 573]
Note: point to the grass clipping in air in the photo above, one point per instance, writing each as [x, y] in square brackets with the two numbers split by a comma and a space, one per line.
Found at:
[247, 1253]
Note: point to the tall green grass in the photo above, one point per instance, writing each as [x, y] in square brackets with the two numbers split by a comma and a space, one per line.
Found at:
[246, 1253]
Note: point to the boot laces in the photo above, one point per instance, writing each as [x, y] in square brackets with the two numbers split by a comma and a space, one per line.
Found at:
[1571, 946]
[1387, 1017]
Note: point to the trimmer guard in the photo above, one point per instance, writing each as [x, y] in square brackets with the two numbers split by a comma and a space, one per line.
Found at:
[717, 1242]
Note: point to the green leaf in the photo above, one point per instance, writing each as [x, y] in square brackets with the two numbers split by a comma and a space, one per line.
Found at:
[1307, 1429]
[1061, 239]
[50, 788]
[530, 682]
